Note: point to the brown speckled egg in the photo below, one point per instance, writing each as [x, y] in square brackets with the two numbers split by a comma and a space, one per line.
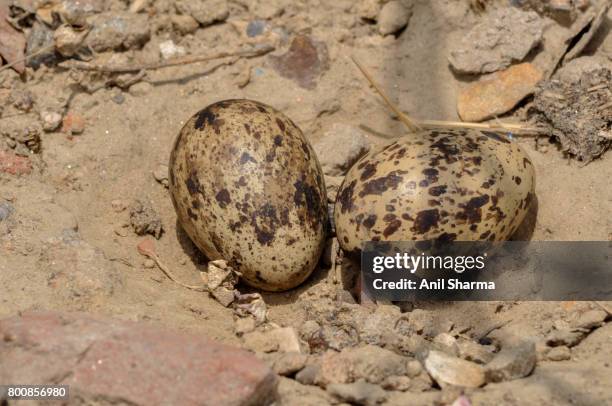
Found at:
[447, 185]
[247, 188]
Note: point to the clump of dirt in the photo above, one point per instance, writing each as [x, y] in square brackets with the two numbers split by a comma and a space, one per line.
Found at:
[579, 112]
[145, 220]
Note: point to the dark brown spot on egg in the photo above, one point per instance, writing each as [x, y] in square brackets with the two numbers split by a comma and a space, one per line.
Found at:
[205, 116]
[426, 220]
[446, 237]
[280, 124]
[193, 184]
[472, 212]
[369, 221]
[518, 180]
[437, 190]
[345, 198]
[278, 140]
[392, 227]
[368, 171]
[379, 185]
[223, 198]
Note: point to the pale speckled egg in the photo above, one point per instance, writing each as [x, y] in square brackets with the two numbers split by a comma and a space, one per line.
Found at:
[247, 187]
[444, 185]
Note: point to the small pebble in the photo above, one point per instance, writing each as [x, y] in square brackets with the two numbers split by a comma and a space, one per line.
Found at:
[160, 173]
[561, 353]
[119, 205]
[51, 120]
[255, 28]
[149, 263]
[6, 209]
[168, 50]
[392, 18]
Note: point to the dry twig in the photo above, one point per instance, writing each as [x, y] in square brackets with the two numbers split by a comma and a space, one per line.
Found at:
[147, 249]
[88, 66]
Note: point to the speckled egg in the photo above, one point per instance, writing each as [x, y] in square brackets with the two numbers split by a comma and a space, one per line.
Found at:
[445, 185]
[247, 188]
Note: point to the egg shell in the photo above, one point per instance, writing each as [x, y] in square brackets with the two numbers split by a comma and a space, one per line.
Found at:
[247, 188]
[446, 185]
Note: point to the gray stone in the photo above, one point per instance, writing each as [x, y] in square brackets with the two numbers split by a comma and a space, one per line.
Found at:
[289, 363]
[118, 30]
[358, 393]
[564, 337]
[591, 319]
[512, 363]
[205, 12]
[371, 363]
[506, 36]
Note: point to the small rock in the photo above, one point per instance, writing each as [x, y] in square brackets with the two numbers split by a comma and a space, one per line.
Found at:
[471, 351]
[446, 343]
[255, 28]
[40, 38]
[497, 94]
[591, 319]
[393, 17]
[369, 9]
[336, 161]
[512, 363]
[413, 368]
[223, 295]
[448, 370]
[564, 337]
[119, 205]
[73, 124]
[304, 62]
[6, 209]
[204, 12]
[506, 36]
[283, 339]
[308, 329]
[289, 363]
[267, 10]
[251, 304]
[160, 173]
[14, 164]
[51, 120]
[118, 30]
[185, 24]
[149, 263]
[561, 353]
[168, 50]
[308, 375]
[22, 99]
[399, 383]
[145, 220]
[140, 89]
[75, 12]
[358, 393]
[291, 392]
[369, 362]
[244, 325]
[68, 41]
